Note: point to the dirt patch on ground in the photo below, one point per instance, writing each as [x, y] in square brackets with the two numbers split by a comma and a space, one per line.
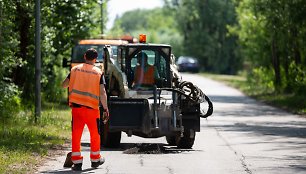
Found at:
[53, 153]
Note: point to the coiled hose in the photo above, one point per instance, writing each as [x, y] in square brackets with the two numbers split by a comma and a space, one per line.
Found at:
[194, 94]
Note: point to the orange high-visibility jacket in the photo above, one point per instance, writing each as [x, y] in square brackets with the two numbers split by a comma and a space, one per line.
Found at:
[84, 85]
[146, 78]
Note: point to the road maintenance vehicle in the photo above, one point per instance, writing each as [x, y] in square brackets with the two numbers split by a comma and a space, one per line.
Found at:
[170, 107]
[77, 54]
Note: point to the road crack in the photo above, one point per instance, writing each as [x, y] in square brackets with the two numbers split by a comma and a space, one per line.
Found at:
[170, 170]
[141, 160]
[241, 157]
[107, 170]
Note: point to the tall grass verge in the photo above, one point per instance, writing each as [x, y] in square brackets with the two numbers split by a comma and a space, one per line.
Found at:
[23, 142]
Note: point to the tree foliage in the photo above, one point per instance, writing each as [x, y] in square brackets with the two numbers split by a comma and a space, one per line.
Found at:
[10, 100]
[159, 24]
[203, 23]
[195, 28]
[63, 22]
[272, 35]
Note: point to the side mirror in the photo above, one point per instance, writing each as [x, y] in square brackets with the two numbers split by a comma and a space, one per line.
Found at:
[172, 59]
[65, 62]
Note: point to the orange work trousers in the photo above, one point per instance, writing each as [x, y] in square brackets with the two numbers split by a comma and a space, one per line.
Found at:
[80, 117]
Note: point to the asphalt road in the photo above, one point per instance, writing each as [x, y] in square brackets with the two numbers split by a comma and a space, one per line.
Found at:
[242, 137]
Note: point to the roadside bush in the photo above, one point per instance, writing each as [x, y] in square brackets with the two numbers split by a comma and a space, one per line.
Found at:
[52, 90]
[296, 81]
[261, 80]
[10, 102]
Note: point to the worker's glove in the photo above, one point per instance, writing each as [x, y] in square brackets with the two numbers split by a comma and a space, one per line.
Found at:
[105, 115]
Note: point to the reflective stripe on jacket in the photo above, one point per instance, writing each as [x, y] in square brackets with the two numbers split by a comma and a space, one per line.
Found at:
[84, 85]
[146, 78]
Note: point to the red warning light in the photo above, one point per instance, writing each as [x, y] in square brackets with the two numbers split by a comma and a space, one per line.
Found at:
[142, 38]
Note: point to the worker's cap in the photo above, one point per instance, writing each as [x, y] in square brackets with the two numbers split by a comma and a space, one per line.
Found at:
[91, 54]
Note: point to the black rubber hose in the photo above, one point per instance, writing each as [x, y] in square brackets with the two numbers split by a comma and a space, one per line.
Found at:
[178, 91]
[210, 108]
[195, 95]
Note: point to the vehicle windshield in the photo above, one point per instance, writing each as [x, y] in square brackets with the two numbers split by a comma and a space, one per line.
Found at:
[79, 50]
[154, 59]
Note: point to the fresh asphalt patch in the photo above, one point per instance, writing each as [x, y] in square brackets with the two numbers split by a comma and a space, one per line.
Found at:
[148, 148]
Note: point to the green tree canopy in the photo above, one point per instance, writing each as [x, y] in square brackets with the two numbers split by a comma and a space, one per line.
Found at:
[158, 24]
[203, 24]
[63, 22]
[272, 34]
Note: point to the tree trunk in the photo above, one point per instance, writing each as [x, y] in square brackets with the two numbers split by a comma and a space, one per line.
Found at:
[296, 51]
[1, 22]
[22, 76]
[276, 64]
[23, 23]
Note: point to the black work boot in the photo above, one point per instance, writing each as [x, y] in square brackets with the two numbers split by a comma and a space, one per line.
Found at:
[77, 167]
[97, 164]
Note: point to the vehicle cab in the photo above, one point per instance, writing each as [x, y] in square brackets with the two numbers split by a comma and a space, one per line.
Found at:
[126, 62]
[77, 53]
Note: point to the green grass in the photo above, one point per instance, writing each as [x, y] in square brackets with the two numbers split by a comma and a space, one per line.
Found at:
[23, 143]
[294, 103]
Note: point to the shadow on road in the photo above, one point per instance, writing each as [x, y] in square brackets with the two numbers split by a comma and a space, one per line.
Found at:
[68, 170]
[242, 106]
[255, 117]
[281, 129]
[143, 148]
[230, 99]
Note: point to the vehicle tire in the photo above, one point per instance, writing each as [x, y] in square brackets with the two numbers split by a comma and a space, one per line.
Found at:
[185, 142]
[171, 140]
[109, 139]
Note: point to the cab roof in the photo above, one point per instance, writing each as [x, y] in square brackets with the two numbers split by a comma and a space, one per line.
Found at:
[147, 45]
[102, 42]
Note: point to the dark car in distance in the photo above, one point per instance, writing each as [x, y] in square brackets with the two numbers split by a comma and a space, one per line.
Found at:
[188, 64]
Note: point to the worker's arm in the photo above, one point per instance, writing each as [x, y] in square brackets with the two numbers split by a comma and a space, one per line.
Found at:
[159, 81]
[65, 83]
[135, 75]
[156, 74]
[103, 99]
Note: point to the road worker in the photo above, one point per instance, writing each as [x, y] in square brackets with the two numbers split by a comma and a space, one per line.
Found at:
[86, 89]
[145, 75]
